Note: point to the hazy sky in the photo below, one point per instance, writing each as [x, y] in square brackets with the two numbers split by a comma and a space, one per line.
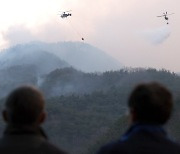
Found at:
[128, 30]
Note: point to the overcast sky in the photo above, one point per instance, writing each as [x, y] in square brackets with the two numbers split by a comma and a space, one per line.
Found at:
[128, 30]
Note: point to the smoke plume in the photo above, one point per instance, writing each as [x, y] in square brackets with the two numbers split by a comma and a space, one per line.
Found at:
[158, 35]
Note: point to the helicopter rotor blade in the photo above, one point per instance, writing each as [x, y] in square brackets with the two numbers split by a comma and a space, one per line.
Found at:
[170, 14]
[165, 14]
[68, 11]
[65, 11]
[161, 16]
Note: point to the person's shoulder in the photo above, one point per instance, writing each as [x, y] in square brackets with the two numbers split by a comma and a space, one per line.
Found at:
[51, 148]
[112, 147]
[174, 145]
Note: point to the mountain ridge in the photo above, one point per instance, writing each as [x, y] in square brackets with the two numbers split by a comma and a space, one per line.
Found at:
[81, 56]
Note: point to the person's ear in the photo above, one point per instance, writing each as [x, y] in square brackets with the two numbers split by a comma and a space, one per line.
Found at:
[5, 116]
[42, 117]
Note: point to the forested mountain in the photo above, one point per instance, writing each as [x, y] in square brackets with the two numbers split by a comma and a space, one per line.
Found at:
[89, 109]
[93, 119]
[81, 56]
[19, 68]
[86, 91]
[68, 80]
[14, 76]
[20, 55]
[34, 62]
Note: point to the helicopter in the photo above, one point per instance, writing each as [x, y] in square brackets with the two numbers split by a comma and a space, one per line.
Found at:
[65, 14]
[165, 16]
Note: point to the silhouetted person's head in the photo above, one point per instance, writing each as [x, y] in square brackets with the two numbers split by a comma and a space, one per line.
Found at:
[150, 103]
[24, 106]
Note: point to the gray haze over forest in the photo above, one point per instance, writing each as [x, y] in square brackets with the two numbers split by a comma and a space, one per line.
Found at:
[30, 64]
[79, 55]
[84, 97]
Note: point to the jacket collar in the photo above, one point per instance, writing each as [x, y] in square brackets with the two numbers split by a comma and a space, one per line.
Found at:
[138, 127]
[25, 130]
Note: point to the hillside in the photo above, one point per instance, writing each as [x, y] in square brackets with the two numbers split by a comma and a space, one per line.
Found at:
[82, 119]
[81, 56]
[38, 63]
[68, 80]
[86, 57]
[15, 76]
[19, 66]
[20, 55]
[82, 123]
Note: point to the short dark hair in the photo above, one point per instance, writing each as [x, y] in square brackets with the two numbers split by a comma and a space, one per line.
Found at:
[152, 103]
[24, 104]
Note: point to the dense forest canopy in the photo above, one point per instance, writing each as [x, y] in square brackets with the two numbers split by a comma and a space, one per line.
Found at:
[87, 110]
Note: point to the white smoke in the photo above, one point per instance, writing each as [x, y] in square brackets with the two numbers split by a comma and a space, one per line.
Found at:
[158, 35]
[17, 34]
[47, 32]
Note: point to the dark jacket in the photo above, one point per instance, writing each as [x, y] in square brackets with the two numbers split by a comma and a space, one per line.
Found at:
[142, 139]
[27, 140]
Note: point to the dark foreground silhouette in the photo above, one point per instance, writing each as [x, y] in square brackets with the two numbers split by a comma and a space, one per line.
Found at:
[24, 113]
[150, 106]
